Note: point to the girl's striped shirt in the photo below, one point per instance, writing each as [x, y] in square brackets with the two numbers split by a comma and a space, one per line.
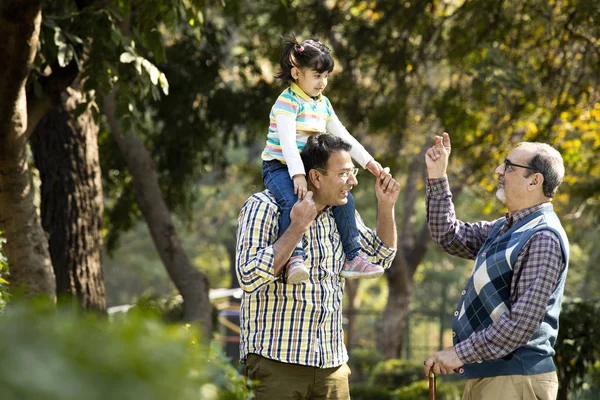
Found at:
[294, 117]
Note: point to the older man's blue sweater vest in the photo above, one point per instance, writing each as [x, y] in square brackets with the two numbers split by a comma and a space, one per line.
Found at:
[487, 297]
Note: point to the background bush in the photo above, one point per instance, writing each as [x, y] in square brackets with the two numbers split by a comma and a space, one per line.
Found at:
[577, 346]
[393, 374]
[420, 390]
[362, 362]
[50, 354]
[363, 391]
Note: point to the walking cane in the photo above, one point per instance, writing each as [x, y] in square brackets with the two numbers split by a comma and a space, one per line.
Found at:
[431, 384]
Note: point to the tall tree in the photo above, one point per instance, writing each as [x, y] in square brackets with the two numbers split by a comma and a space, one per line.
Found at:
[189, 281]
[83, 41]
[26, 246]
[65, 148]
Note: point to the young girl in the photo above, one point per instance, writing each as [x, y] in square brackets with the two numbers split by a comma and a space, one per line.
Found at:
[299, 112]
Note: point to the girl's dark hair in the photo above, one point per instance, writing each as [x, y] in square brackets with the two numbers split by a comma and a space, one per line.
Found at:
[310, 54]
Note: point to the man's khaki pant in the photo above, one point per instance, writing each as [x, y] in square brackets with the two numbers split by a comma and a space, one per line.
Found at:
[277, 380]
[513, 387]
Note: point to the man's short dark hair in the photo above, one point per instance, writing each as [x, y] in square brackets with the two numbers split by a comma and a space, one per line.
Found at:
[318, 149]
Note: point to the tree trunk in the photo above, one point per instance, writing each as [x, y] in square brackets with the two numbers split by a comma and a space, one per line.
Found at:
[392, 323]
[351, 289]
[66, 153]
[189, 281]
[26, 246]
[563, 389]
[412, 246]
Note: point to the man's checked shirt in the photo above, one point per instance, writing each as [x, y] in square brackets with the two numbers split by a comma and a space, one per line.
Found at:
[535, 273]
[298, 324]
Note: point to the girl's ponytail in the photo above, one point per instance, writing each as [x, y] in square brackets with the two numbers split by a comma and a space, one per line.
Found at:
[286, 62]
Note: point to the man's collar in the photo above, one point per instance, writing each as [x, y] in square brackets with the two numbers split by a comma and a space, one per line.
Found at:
[519, 215]
[296, 89]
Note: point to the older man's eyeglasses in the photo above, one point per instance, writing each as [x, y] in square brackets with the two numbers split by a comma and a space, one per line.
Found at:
[342, 174]
[510, 166]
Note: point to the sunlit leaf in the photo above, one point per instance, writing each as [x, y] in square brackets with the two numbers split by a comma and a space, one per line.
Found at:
[127, 57]
[65, 55]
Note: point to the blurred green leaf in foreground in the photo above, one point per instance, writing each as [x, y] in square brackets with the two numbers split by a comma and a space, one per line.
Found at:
[63, 354]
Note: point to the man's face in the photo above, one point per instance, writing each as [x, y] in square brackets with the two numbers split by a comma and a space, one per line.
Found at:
[513, 181]
[337, 181]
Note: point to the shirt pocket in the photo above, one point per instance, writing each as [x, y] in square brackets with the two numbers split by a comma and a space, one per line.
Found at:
[338, 257]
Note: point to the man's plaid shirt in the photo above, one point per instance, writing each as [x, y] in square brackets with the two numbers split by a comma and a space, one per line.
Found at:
[535, 274]
[298, 324]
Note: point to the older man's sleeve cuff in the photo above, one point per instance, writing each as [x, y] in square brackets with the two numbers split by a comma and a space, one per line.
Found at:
[437, 186]
[466, 352]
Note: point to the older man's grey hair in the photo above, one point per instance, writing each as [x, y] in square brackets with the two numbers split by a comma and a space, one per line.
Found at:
[548, 162]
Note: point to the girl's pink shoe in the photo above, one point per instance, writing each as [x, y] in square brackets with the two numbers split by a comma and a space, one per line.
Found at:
[296, 271]
[360, 267]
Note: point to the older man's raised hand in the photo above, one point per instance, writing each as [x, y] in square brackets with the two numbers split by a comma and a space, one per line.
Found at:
[436, 157]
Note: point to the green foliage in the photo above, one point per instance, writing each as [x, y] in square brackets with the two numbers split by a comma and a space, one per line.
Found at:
[392, 374]
[61, 354]
[188, 131]
[420, 390]
[369, 392]
[226, 383]
[592, 384]
[577, 347]
[134, 268]
[169, 308]
[584, 270]
[123, 48]
[417, 390]
[362, 362]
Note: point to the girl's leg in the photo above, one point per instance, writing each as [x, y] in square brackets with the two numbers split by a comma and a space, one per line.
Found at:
[277, 180]
[357, 263]
[345, 219]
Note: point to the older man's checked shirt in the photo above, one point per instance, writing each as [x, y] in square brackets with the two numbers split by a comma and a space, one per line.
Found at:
[298, 324]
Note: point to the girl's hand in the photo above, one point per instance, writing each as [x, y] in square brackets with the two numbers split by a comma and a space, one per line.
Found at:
[300, 186]
[374, 167]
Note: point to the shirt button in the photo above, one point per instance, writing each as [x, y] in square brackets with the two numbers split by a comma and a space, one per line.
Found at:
[456, 313]
[483, 254]
[461, 371]
[453, 334]
[463, 292]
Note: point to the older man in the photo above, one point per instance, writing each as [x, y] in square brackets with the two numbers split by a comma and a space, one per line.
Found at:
[506, 322]
[291, 335]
